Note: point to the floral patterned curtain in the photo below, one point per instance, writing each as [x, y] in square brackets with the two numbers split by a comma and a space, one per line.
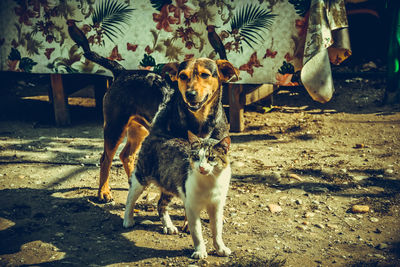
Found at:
[270, 41]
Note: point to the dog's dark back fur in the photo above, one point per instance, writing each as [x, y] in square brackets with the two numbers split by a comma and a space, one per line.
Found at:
[150, 91]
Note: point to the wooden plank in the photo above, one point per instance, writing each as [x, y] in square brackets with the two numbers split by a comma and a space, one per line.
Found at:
[60, 101]
[236, 107]
[258, 93]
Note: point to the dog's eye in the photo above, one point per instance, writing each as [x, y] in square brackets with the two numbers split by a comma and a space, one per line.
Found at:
[183, 77]
[205, 75]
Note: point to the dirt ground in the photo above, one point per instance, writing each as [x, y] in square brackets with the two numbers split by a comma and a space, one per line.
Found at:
[298, 170]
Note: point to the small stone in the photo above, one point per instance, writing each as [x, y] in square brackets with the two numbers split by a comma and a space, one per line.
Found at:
[301, 227]
[146, 222]
[309, 214]
[360, 209]
[360, 177]
[319, 225]
[305, 223]
[332, 226]
[389, 171]
[295, 176]
[373, 219]
[298, 202]
[274, 208]
[203, 262]
[379, 256]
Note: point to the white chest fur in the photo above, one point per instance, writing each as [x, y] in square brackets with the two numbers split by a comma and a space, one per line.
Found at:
[206, 191]
[202, 190]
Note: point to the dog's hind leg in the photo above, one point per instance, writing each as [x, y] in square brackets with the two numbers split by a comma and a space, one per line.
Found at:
[136, 133]
[168, 226]
[113, 136]
[135, 190]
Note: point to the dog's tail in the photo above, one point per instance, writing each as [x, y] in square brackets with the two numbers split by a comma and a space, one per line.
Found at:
[111, 65]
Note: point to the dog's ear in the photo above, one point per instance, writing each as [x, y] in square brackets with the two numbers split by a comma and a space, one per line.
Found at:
[192, 137]
[225, 144]
[226, 70]
[172, 70]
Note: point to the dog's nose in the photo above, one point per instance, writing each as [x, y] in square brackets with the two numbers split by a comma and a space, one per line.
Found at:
[191, 95]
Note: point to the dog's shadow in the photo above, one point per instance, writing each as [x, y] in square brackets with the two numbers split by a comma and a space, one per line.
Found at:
[86, 233]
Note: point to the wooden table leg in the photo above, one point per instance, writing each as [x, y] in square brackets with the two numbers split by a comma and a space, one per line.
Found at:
[60, 101]
[236, 108]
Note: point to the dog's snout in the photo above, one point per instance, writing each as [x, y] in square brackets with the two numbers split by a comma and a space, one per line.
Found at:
[191, 95]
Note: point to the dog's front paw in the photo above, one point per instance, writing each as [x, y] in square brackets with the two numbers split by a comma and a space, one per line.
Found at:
[128, 222]
[199, 254]
[170, 230]
[224, 251]
[104, 196]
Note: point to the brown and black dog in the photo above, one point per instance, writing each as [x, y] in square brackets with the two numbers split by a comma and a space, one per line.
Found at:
[197, 105]
[135, 97]
[129, 106]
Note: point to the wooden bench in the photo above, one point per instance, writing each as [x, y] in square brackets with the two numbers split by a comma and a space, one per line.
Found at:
[60, 87]
[239, 95]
